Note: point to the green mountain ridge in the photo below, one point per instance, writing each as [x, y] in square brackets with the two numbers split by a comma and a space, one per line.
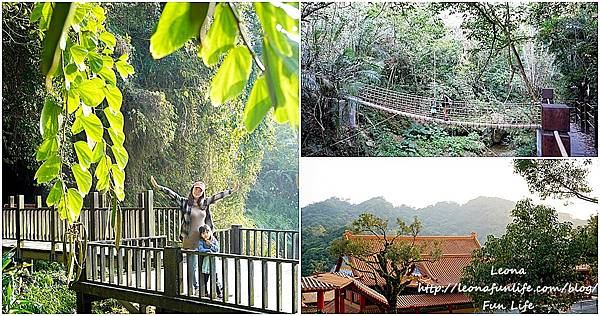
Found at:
[324, 221]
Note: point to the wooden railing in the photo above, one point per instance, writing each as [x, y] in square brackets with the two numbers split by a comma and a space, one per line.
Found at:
[585, 116]
[146, 265]
[43, 224]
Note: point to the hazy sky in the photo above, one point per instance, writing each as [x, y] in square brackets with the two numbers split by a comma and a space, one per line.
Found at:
[420, 182]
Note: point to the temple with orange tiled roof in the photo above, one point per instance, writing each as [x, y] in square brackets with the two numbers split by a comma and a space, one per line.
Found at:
[350, 290]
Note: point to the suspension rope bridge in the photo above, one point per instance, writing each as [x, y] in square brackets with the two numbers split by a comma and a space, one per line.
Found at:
[450, 112]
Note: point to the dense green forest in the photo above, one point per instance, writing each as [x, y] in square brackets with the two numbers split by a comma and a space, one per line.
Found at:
[326, 221]
[172, 130]
[496, 53]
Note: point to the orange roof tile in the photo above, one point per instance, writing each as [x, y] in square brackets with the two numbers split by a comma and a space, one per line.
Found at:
[429, 300]
[456, 254]
[312, 284]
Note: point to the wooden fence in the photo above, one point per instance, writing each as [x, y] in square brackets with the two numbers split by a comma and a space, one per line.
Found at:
[585, 116]
[147, 265]
[42, 224]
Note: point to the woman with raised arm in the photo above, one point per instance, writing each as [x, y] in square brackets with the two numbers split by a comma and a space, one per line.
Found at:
[196, 213]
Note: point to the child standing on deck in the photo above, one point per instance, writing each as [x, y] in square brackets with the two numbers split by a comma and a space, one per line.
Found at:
[208, 243]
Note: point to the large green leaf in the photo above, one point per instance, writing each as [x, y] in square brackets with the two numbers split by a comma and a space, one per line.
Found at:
[124, 69]
[102, 173]
[47, 149]
[84, 153]
[73, 100]
[92, 126]
[118, 175]
[221, 36]
[108, 39]
[179, 22]
[117, 137]
[121, 155]
[115, 119]
[49, 118]
[230, 79]
[98, 152]
[114, 97]
[283, 89]
[55, 193]
[59, 24]
[258, 104]
[78, 53]
[91, 91]
[48, 170]
[74, 202]
[82, 177]
[96, 62]
[109, 75]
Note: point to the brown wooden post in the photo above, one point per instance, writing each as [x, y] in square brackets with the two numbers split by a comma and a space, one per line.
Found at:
[555, 117]
[94, 206]
[53, 222]
[321, 301]
[171, 262]
[139, 229]
[236, 239]
[20, 207]
[547, 96]
[84, 303]
[149, 216]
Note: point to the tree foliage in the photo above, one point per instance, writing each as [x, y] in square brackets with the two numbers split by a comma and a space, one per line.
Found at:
[560, 179]
[393, 259]
[540, 245]
[276, 85]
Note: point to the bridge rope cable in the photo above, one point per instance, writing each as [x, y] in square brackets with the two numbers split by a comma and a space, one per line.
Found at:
[356, 132]
[461, 113]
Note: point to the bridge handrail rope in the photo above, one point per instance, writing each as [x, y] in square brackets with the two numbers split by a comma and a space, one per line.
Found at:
[462, 113]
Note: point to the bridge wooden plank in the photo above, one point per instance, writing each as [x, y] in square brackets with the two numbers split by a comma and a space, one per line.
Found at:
[120, 272]
[265, 284]
[294, 288]
[250, 282]
[111, 265]
[213, 275]
[269, 244]
[148, 258]
[279, 286]
[138, 268]
[238, 282]
[158, 274]
[225, 274]
[189, 268]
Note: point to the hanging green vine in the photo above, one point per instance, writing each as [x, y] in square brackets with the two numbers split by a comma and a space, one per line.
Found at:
[83, 109]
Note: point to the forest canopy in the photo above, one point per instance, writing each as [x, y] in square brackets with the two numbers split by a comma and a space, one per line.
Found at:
[482, 52]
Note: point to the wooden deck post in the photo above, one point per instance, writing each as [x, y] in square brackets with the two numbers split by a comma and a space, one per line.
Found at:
[149, 216]
[84, 303]
[236, 239]
[555, 117]
[20, 207]
[38, 201]
[95, 205]
[171, 262]
[53, 223]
